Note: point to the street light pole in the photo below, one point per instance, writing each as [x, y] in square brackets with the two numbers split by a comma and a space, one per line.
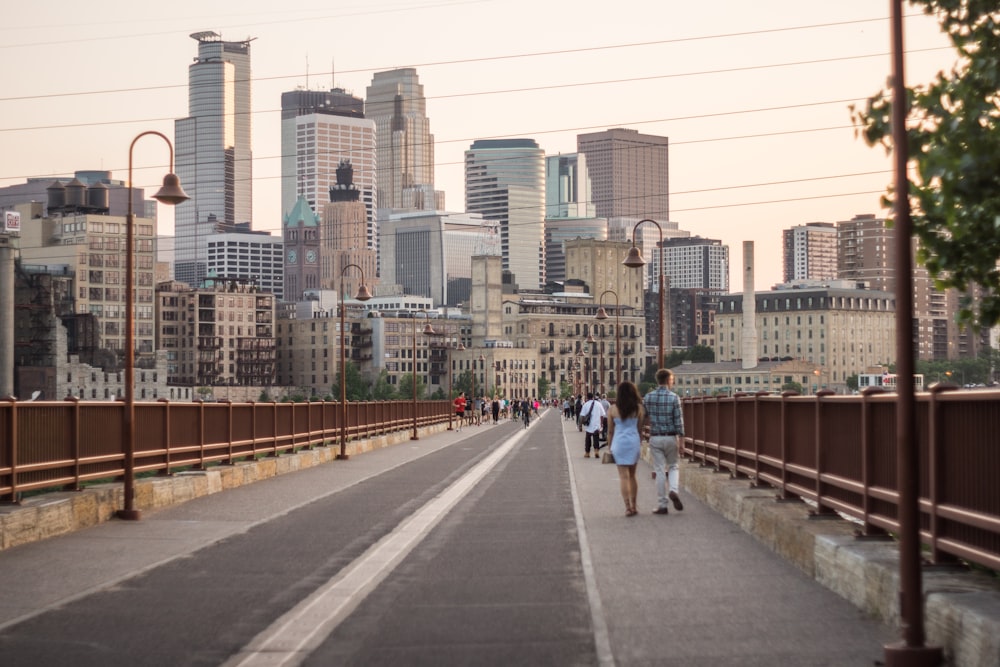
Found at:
[363, 295]
[428, 331]
[603, 315]
[171, 193]
[633, 260]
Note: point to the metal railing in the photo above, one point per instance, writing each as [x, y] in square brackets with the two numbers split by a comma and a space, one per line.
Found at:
[839, 452]
[63, 444]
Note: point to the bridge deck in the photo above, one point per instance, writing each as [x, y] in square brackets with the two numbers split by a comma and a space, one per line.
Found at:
[493, 545]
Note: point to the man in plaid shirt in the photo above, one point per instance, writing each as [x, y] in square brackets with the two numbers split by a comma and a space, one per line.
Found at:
[666, 425]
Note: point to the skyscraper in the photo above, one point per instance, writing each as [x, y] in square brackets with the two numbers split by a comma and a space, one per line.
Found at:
[319, 129]
[213, 153]
[629, 173]
[569, 211]
[810, 252]
[404, 143]
[505, 182]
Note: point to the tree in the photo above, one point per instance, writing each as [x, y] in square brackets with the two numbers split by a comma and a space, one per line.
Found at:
[383, 391]
[953, 137]
[792, 386]
[357, 387]
[543, 387]
[404, 389]
[463, 383]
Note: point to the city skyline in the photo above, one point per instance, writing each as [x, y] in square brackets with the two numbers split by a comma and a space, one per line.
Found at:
[754, 99]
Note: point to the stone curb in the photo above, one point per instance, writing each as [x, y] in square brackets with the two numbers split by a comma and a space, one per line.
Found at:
[962, 607]
[51, 514]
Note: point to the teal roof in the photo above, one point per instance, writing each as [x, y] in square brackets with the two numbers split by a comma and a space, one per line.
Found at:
[301, 212]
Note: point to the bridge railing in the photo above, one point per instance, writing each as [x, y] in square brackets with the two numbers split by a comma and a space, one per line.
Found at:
[839, 452]
[64, 444]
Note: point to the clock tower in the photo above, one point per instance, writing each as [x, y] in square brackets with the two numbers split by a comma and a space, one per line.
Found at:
[301, 236]
[344, 236]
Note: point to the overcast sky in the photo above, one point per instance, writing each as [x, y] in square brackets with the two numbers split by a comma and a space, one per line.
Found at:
[754, 96]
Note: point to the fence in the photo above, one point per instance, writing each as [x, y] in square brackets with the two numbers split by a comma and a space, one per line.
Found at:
[63, 444]
[839, 452]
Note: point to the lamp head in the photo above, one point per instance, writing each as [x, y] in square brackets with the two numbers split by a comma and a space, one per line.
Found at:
[591, 339]
[601, 314]
[171, 193]
[634, 258]
[363, 293]
[429, 330]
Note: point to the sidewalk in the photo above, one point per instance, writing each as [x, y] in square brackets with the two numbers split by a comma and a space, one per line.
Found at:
[691, 589]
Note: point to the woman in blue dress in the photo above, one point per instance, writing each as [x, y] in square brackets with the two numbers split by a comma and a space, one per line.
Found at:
[623, 431]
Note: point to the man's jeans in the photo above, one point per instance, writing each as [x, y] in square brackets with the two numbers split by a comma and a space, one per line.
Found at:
[663, 449]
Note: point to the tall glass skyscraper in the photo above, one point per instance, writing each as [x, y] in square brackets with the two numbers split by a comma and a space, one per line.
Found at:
[505, 182]
[212, 151]
[404, 143]
[629, 173]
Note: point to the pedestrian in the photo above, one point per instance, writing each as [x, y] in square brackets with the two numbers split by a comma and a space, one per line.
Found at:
[526, 412]
[496, 410]
[577, 406]
[590, 420]
[460, 409]
[666, 425]
[623, 430]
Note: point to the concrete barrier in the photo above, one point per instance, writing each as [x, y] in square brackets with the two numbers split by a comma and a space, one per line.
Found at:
[962, 606]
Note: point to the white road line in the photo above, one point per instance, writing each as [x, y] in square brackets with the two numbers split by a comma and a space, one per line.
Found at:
[602, 638]
[292, 637]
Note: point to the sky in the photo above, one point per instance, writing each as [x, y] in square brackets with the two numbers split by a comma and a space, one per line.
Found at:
[754, 96]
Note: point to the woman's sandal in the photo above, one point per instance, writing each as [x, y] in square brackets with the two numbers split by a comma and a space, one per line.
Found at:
[631, 511]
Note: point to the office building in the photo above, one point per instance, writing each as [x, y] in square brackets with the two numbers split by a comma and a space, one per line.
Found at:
[693, 263]
[810, 252]
[404, 144]
[248, 257]
[505, 182]
[428, 253]
[213, 151]
[319, 131]
[569, 213]
[343, 238]
[629, 173]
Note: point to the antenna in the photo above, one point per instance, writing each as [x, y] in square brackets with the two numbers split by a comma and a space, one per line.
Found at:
[307, 71]
[333, 73]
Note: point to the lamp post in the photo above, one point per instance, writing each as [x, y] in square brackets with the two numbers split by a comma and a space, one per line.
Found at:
[171, 193]
[633, 260]
[363, 295]
[428, 331]
[593, 341]
[603, 315]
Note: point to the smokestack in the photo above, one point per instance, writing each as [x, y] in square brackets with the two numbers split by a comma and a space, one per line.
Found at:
[749, 333]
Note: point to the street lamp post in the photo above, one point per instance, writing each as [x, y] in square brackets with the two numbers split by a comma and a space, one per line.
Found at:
[633, 260]
[428, 331]
[171, 193]
[363, 295]
[600, 353]
[603, 315]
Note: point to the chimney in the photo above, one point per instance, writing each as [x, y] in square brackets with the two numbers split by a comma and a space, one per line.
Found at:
[749, 333]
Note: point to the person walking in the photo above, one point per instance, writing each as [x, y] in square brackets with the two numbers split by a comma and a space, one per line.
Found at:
[624, 419]
[495, 406]
[666, 425]
[590, 421]
[460, 409]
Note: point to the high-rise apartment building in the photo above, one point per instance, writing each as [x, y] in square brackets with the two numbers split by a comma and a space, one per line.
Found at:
[694, 263]
[810, 252]
[319, 130]
[404, 143]
[629, 173]
[505, 182]
[213, 150]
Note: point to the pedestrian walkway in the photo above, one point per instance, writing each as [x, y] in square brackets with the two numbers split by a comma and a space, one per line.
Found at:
[495, 545]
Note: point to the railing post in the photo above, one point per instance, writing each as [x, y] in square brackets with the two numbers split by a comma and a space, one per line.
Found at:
[867, 451]
[201, 433]
[936, 462]
[75, 486]
[821, 510]
[166, 433]
[756, 437]
[735, 473]
[784, 495]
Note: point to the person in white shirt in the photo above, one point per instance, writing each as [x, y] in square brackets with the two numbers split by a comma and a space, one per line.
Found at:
[591, 418]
